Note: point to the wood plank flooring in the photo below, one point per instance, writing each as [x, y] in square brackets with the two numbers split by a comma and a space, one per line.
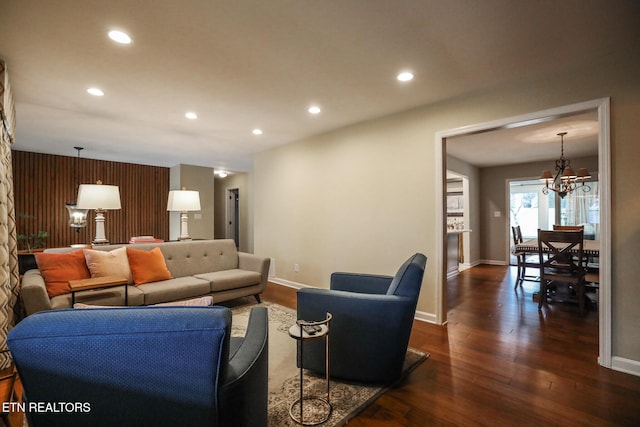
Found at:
[501, 362]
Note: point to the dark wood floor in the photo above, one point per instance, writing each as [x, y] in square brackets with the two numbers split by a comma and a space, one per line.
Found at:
[501, 362]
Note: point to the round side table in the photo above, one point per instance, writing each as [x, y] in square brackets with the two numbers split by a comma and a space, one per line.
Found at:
[303, 331]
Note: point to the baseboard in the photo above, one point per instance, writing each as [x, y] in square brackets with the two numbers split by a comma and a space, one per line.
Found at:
[492, 262]
[425, 317]
[288, 283]
[627, 366]
[420, 315]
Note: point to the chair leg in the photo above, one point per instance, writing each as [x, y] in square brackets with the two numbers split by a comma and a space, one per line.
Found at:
[581, 297]
[521, 271]
[258, 298]
[518, 276]
[542, 294]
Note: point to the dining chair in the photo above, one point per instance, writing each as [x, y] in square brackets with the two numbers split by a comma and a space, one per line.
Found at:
[556, 227]
[568, 227]
[560, 252]
[523, 260]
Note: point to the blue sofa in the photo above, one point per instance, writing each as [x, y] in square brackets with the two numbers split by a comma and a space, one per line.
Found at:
[148, 366]
[371, 325]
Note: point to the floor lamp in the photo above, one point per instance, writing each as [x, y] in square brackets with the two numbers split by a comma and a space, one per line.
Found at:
[99, 197]
[183, 201]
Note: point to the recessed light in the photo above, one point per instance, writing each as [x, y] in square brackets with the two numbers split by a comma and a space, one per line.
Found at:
[314, 109]
[222, 174]
[95, 91]
[257, 131]
[119, 37]
[405, 76]
[191, 115]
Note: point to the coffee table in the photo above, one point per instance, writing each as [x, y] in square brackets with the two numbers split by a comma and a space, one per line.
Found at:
[304, 331]
[98, 283]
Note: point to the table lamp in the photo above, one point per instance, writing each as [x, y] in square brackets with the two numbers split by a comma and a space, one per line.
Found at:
[100, 198]
[183, 201]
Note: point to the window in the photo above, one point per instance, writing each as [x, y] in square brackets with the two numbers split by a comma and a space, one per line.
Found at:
[531, 209]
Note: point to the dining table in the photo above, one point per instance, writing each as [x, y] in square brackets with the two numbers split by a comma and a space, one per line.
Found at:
[590, 248]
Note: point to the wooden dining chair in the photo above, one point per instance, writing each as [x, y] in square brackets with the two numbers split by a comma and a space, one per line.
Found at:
[523, 260]
[586, 260]
[560, 253]
[568, 227]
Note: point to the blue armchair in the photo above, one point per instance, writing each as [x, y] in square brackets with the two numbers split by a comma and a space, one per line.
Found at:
[371, 325]
[147, 366]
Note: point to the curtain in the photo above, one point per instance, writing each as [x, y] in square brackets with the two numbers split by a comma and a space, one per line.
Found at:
[583, 208]
[9, 279]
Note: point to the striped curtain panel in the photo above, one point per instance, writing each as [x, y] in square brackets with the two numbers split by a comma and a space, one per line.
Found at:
[9, 279]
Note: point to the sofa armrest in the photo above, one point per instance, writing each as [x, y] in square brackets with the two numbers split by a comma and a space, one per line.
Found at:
[361, 283]
[251, 262]
[33, 293]
[244, 389]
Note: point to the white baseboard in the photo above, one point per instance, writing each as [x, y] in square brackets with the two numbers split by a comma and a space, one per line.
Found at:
[420, 315]
[288, 283]
[492, 262]
[627, 366]
[426, 317]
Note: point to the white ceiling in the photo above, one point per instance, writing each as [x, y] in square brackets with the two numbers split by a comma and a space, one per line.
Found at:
[529, 143]
[242, 64]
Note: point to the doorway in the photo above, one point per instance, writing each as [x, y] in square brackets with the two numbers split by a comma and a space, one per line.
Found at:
[233, 215]
[602, 108]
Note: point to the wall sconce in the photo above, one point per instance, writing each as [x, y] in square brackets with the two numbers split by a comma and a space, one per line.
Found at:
[183, 201]
[99, 197]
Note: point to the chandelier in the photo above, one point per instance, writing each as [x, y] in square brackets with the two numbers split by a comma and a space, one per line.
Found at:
[566, 180]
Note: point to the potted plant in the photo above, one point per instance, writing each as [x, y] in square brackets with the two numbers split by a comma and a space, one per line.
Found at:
[27, 240]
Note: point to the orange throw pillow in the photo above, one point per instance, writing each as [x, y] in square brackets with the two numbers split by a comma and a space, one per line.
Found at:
[147, 266]
[58, 269]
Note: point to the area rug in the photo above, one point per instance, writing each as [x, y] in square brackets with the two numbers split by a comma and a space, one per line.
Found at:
[347, 398]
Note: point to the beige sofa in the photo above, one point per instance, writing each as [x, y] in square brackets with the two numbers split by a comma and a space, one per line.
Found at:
[199, 268]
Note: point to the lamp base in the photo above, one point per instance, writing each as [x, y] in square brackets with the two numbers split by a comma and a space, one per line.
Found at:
[100, 238]
[184, 226]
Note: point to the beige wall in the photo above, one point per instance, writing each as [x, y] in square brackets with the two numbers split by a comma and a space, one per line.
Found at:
[241, 182]
[201, 224]
[494, 197]
[363, 198]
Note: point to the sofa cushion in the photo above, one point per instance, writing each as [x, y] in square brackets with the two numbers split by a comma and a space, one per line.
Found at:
[58, 269]
[111, 263]
[199, 256]
[230, 279]
[147, 266]
[174, 289]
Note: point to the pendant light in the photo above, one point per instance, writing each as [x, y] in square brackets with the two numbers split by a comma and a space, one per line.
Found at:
[77, 217]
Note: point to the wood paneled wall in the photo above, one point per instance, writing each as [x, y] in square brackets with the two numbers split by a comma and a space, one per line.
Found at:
[44, 183]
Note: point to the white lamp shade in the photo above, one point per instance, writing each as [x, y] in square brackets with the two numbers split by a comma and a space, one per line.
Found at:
[183, 200]
[98, 196]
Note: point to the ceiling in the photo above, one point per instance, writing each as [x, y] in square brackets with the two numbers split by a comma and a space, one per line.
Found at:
[529, 143]
[245, 64]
